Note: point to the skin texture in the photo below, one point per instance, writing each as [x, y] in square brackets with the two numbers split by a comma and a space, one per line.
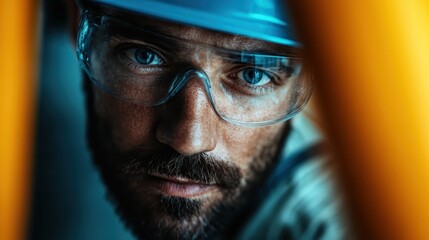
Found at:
[131, 142]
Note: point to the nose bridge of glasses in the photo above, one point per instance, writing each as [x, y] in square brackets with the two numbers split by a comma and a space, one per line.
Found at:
[187, 74]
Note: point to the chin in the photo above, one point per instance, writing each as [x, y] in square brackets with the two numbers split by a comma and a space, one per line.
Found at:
[153, 214]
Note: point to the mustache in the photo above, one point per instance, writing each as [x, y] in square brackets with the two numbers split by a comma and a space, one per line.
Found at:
[198, 167]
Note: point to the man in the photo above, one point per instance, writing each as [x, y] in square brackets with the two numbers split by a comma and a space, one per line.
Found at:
[188, 105]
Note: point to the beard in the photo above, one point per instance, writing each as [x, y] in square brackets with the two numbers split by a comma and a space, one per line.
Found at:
[152, 215]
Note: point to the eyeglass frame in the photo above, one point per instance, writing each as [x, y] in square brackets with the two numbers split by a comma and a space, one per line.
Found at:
[186, 71]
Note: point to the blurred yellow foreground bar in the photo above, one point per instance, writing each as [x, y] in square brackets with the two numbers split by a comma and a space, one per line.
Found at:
[18, 61]
[372, 64]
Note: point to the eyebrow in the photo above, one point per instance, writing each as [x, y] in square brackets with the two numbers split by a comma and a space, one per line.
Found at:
[136, 20]
[132, 32]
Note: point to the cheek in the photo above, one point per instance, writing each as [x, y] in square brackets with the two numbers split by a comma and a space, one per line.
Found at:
[129, 125]
[247, 144]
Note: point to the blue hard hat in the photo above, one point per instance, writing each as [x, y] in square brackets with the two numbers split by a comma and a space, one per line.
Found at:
[261, 19]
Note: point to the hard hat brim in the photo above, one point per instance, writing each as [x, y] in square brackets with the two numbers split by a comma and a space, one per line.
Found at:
[248, 24]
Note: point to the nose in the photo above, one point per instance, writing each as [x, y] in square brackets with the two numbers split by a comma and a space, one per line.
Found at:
[188, 122]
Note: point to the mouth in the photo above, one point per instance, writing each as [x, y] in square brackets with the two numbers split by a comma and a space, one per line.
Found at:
[179, 187]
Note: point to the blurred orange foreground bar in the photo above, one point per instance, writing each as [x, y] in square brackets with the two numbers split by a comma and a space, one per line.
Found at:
[18, 62]
[372, 65]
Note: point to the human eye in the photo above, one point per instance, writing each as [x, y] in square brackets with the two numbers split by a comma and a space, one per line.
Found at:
[143, 56]
[253, 73]
[251, 80]
[254, 76]
[140, 58]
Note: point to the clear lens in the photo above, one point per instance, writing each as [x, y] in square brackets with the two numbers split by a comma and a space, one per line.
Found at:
[148, 68]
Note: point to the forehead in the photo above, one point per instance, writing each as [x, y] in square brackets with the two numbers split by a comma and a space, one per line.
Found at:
[198, 34]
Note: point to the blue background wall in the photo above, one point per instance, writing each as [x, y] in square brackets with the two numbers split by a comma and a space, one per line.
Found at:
[68, 198]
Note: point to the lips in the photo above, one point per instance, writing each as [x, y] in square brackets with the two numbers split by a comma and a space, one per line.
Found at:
[179, 187]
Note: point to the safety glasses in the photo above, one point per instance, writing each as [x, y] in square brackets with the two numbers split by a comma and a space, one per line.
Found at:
[148, 68]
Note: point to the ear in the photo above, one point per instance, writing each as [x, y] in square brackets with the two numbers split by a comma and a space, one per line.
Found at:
[73, 19]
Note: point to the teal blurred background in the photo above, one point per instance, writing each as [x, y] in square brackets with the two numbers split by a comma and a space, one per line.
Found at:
[68, 198]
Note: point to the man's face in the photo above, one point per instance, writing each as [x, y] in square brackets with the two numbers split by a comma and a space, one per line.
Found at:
[178, 170]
